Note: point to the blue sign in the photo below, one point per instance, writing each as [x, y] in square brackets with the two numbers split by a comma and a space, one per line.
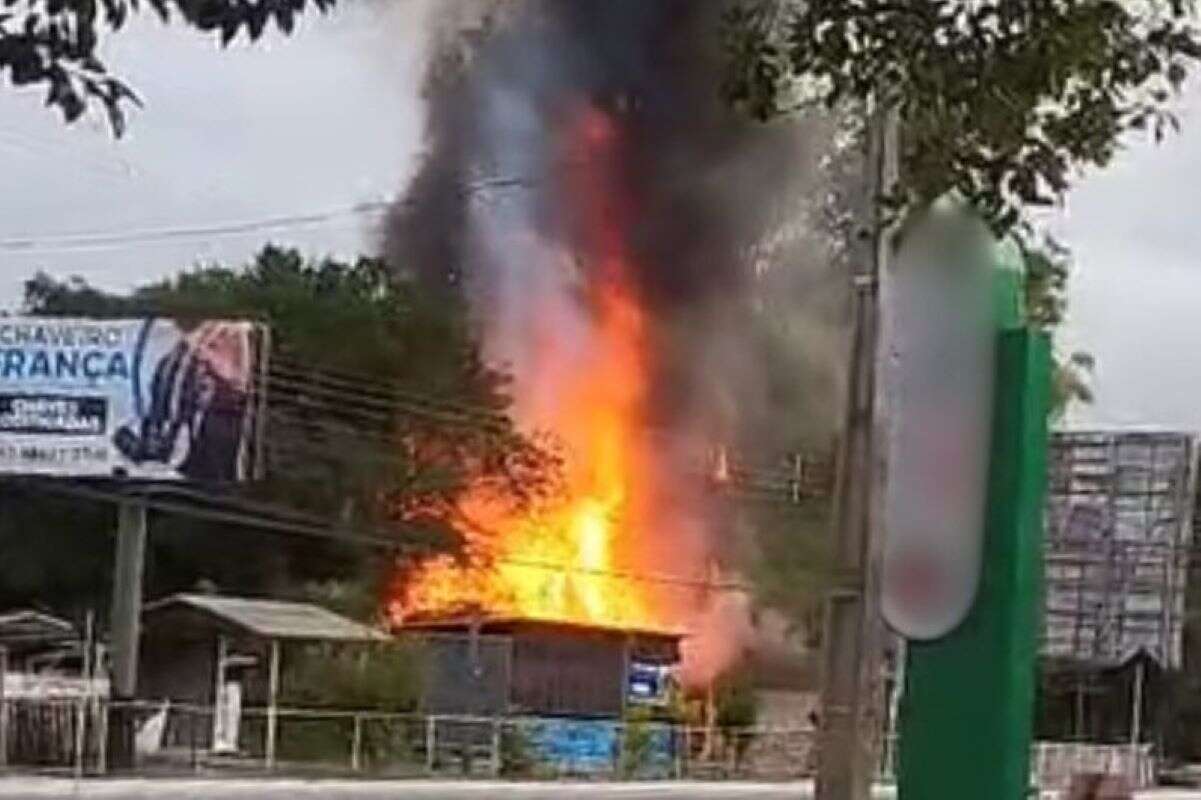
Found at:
[648, 684]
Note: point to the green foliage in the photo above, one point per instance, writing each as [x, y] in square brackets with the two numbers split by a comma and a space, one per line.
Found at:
[737, 710]
[637, 742]
[354, 451]
[517, 757]
[386, 679]
[790, 561]
[383, 680]
[55, 42]
[413, 452]
[1000, 100]
[1048, 265]
[736, 702]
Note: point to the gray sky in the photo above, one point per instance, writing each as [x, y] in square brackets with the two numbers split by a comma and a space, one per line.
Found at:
[1136, 290]
[330, 117]
[320, 121]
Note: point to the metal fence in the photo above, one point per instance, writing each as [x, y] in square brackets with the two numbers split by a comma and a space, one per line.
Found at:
[69, 735]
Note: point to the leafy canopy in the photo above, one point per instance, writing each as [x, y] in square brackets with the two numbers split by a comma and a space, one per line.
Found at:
[1000, 100]
[54, 42]
[356, 448]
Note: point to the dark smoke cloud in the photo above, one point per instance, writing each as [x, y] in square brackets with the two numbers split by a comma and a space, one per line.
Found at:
[722, 215]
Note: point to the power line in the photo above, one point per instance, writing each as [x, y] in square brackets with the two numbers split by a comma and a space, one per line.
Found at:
[90, 241]
[361, 381]
[347, 536]
[384, 397]
[778, 486]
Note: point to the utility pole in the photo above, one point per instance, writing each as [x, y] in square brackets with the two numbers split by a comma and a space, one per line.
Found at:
[853, 633]
[125, 626]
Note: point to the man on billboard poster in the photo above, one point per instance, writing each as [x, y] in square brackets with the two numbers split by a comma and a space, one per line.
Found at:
[198, 416]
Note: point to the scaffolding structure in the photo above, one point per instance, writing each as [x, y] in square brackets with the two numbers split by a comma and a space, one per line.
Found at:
[1119, 531]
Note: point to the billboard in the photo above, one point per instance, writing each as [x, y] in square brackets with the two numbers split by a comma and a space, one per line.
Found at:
[150, 399]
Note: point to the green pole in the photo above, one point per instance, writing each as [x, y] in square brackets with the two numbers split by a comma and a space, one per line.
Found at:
[967, 713]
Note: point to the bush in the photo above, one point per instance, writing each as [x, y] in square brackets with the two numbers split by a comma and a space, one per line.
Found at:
[383, 679]
[637, 742]
[737, 709]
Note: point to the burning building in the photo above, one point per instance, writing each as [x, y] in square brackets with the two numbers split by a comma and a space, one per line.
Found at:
[502, 666]
[651, 271]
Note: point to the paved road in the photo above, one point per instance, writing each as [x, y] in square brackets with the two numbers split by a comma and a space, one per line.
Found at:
[56, 789]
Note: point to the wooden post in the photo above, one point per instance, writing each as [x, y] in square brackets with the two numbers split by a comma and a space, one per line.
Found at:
[679, 739]
[1078, 731]
[272, 703]
[219, 689]
[496, 747]
[356, 744]
[894, 709]
[1136, 718]
[849, 724]
[431, 743]
[102, 757]
[125, 626]
[3, 708]
[81, 713]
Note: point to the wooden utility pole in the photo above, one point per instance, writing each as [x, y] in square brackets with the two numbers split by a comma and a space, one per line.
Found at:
[125, 626]
[853, 634]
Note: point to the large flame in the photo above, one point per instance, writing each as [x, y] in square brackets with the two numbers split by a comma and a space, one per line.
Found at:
[578, 557]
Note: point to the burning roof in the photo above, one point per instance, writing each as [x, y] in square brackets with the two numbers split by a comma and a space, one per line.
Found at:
[615, 229]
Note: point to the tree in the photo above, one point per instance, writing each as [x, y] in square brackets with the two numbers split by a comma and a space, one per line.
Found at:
[1047, 268]
[790, 560]
[345, 442]
[999, 100]
[54, 42]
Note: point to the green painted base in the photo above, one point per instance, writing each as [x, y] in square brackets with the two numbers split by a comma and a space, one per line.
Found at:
[967, 711]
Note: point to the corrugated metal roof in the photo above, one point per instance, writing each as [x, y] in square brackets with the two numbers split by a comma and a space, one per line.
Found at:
[492, 623]
[28, 627]
[277, 619]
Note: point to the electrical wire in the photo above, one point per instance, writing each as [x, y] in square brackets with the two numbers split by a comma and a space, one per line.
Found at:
[347, 536]
[87, 241]
[91, 241]
[350, 389]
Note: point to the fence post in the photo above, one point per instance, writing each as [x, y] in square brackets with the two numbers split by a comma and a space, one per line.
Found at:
[431, 743]
[356, 745]
[3, 708]
[81, 721]
[192, 754]
[678, 740]
[272, 704]
[619, 757]
[496, 747]
[102, 756]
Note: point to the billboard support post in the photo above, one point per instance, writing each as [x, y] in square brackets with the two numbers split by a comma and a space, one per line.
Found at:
[968, 705]
[125, 626]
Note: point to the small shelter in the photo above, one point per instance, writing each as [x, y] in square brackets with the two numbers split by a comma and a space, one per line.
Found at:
[223, 652]
[28, 637]
[498, 666]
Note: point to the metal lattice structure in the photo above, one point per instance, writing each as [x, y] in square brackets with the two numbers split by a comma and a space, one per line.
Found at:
[1118, 537]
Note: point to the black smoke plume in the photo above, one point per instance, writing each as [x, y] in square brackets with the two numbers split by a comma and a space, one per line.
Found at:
[723, 214]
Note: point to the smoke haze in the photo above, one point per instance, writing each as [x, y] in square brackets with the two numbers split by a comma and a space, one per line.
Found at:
[720, 219]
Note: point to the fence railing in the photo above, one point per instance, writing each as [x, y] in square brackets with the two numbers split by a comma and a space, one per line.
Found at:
[68, 733]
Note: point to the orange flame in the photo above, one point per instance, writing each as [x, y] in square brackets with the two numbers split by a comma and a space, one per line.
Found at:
[572, 558]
